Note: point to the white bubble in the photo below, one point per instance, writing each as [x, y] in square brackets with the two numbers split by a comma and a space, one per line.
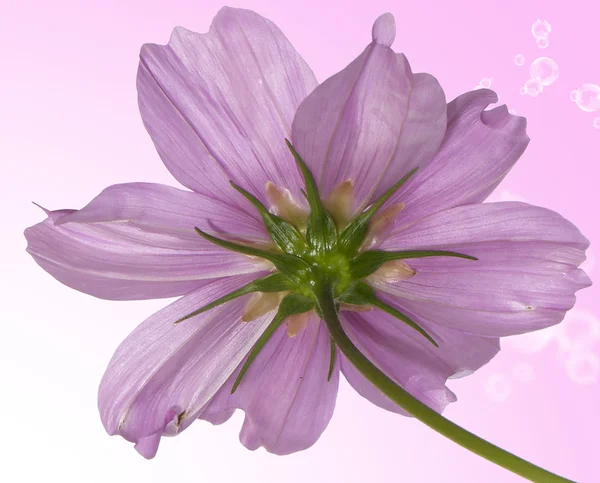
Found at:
[519, 59]
[583, 367]
[522, 91]
[531, 341]
[588, 97]
[512, 111]
[533, 87]
[498, 388]
[543, 42]
[596, 123]
[545, 69]
[541, 29]
[486, 82]
[578, 331]
[574, 95]
[523, 372]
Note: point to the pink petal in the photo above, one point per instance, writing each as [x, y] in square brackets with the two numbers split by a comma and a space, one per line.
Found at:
[219, 410]
[410, 359]
[148, 446]
[220, 105]
[384, 30]
[479, 149]
[285, 393]
[372, 122]
[137, 241]
[164, 374]
[525, 279]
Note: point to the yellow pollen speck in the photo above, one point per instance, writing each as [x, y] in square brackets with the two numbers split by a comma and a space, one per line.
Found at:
[261, 303]
[284, 205]
[340, 202]
[393, 271]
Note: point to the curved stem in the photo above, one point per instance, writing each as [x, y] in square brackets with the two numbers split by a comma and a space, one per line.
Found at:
[419, 410]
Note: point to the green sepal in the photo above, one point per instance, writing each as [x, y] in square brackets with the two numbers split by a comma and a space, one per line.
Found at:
[360, 293]
[284, 234]
[366, 263]
[355, 233]
[291, 304]
[288, 264]
[321, 232]
[271, 283]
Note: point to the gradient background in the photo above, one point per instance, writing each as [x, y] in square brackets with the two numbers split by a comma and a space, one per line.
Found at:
[69, 126]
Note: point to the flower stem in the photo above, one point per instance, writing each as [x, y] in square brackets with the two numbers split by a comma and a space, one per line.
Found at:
[419, 410]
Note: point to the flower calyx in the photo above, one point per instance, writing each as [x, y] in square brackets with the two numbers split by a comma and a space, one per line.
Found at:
[325, 252]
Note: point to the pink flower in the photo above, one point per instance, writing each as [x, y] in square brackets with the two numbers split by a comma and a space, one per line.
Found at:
[219, 107]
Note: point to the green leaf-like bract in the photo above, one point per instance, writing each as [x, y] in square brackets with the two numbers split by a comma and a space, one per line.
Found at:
[355, 233]
[362, 294]
[290, 305]
[289, 264]
[284, 234]
[332, 355]
[271, 283]
[321, 232]
[366, 263]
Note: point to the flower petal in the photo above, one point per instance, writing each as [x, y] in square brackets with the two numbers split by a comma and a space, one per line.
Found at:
[410, 359]
[164, 374]
[479, 149]
[525, 277]
[372, 122]
[285, 393]
[137, 241]
[220, 105]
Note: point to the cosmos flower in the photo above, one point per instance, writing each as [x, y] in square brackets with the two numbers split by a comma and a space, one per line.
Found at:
[376, 197]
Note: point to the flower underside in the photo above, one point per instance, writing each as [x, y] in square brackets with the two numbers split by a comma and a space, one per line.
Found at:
[327, 251]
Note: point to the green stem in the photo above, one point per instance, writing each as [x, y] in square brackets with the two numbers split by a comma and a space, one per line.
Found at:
[419, 410]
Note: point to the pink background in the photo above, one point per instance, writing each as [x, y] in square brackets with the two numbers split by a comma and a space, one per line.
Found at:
[69, 126]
